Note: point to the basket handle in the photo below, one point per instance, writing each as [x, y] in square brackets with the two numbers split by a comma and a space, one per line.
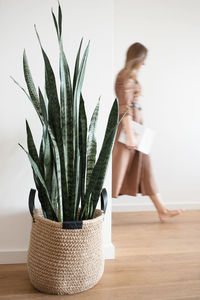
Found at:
[104, 200]
[31, 202]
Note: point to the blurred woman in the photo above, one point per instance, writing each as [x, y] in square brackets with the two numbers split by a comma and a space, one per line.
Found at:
[131, 169]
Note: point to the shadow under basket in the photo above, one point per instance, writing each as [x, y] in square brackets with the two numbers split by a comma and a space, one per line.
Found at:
[65, 257]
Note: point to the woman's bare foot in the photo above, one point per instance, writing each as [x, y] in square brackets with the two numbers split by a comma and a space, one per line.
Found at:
[164, 215]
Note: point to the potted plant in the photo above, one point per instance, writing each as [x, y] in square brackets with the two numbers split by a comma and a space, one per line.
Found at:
[65, 254]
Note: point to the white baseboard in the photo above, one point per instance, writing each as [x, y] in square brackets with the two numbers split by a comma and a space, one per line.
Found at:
[13, 257]
[20, 257]
[128, 205]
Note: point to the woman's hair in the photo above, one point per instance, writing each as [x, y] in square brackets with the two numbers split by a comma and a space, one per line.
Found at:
[135, 56]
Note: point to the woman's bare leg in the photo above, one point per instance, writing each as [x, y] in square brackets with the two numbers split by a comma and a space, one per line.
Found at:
[163, 212]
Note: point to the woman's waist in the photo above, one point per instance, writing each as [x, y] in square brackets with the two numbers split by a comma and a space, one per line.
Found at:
[137, 105]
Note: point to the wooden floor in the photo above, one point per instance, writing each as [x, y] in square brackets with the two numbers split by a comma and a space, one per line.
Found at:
[154, 261]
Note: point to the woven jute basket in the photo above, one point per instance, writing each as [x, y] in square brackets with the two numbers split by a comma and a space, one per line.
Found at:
[65, 257]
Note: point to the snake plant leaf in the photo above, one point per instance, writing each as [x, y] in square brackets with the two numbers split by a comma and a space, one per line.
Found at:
[48, 164]
[99, 170]
[31, 86]
[109, 135]
[51, 90]
[66, 99]
[55, 23]
[31, 145]
[79, 197]
[105, 155]
[47, 152]
[77, 92]
[41, 193]
[91, 149]
[76, 68]
[58, 24]
[17, 83]
[36, 169]
[41, 156]
[91, 143]
[46, 104]
[48, 207]
[65, 88]
[60, 19]
[77, 179]
[78, 87]
[29, 81]
[54, 117]
[43, 107]
[58, 169]
[82, 147]
[54, 189]
[47, 130]
[58, 173]
[66, 96]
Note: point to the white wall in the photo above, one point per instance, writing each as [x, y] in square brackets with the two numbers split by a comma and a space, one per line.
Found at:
[171, 103]
[88, 18]
[169, 29]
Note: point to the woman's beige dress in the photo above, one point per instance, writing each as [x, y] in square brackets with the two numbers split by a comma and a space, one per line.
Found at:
[131, 169]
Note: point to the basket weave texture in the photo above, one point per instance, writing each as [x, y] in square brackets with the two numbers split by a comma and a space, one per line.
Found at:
[65, 261]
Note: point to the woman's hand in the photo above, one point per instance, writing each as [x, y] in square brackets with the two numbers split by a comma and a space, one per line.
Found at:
[131, 141]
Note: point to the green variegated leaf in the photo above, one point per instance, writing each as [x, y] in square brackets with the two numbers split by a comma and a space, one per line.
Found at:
[46, 102]
[60, 20]
[51, 91]
[41, 157]
[30, 85]
[48, 164]
[31, 145]
[104, 156]
[42, 147]
[67, 130]
[82, 147]
[55, 23]
[41, 193]
[36, 169]
[47, 204]
[91, 150]
[76, 68]
[43, 107]
[91, 143]
[66, 98]
[58, 174]
[77, 92]
[29, 81]
[21, 88]
[55, 121]
[99, 170]
[54, 189]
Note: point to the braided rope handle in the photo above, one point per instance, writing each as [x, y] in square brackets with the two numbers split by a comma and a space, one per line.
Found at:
[31, 201]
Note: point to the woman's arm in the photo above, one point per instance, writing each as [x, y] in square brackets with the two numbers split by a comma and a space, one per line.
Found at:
[131, 138]
[124, 88]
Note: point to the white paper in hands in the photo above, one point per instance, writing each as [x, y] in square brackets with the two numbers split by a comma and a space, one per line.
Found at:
[145, 137]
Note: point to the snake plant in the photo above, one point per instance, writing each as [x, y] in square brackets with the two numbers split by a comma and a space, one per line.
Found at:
[66, 171]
